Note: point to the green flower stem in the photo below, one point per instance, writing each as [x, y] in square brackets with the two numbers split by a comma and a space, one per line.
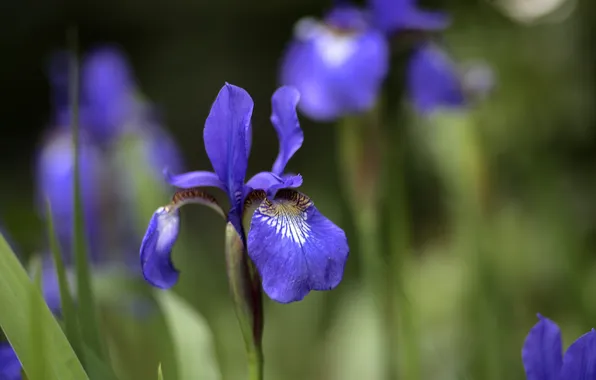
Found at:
[245, 289]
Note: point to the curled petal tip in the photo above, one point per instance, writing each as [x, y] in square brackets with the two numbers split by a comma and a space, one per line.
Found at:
[156, 248]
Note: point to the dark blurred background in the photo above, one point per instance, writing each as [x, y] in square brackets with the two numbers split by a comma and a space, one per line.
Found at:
[537, 136]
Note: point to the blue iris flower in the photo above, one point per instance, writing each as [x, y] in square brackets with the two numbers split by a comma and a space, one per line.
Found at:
[338, 65]
[542, 354]
[436, 82]
[293, 246]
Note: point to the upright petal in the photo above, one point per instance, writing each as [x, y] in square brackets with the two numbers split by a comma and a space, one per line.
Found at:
[579, 362]
[295, 248]
[542, 351]
[226, 136]
[397, 15]
[433, 80]
[108, 87]
[156, 248]
[285, 120]
[338, 67]
[10, 366]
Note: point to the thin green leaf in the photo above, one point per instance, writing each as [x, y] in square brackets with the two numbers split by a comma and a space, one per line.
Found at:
[193, 343]
[159, 372]
[69, 316]
[15, 289]
[86, 300]
[37, 339]
[97, 368]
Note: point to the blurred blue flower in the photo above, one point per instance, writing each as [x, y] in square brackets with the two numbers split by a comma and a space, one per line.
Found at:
[107, 99]
[10, 366]
[294, 247]
[338, 65]
[542, 354]
[397, 15]
[435, 82]
[54, 177]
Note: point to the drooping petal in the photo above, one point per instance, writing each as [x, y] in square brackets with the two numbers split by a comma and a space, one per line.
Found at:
[193, 179]
[398, 15]
[225, 135]
[579, 362]
[10, 366]
[156, 248]
[542, 351]
[285, 120]
[337, 71]
[295, 248]
[433, 80]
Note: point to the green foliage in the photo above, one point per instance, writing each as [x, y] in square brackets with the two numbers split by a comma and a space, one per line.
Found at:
[20, 298]
[193, 343]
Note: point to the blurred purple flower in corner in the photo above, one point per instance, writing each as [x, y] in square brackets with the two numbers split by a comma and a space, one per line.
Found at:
[294, 247]
[10, 366]
[543, 358]
[434, 81]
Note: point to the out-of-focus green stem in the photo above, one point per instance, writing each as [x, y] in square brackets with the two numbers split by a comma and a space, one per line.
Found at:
[245, 289]
[466, 175]
[400, 307]
[359, 148]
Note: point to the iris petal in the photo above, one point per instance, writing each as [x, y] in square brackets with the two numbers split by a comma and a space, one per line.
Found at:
[225, 136]
[193, 179]
[397, 15]
[542, 351]
[10, 366]
[433, 80]
[285, 120]
[156, 248]
[295, 248]
[580, 359]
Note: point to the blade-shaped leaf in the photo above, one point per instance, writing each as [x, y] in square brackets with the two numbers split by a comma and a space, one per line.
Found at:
[98, 370]
[159, 373]
[192, 338]
[37, 337]
[15, 289]
[86, 300]
[69, 316]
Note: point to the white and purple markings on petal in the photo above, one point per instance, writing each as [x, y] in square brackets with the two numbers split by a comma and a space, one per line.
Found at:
[289, 218]
[335, 46]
